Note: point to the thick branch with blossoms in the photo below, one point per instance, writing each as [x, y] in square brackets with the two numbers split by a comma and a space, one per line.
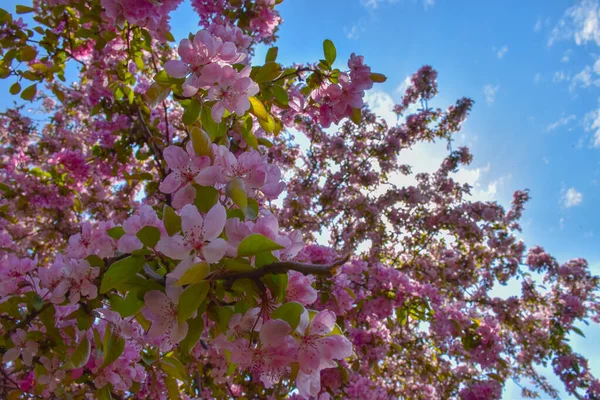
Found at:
[143, 254]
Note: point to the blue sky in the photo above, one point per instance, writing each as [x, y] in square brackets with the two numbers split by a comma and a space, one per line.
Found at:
[529, 66]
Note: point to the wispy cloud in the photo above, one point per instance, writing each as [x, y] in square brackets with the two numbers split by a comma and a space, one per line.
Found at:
[490, 93]
[591, 124]
[563, 121]
[354, 32]
[580, 22]
[571, 198]
[377, 3]
[560, 76]
[566, 56]
[538, 25]
[501, 52]
[537, 78]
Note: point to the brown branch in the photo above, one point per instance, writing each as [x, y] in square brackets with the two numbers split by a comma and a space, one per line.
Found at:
[27, 320]
[281, 267]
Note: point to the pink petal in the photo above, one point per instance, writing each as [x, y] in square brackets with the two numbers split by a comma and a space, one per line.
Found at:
[177, 69]
[322, 323]
[214, 222]
[11, 355]
[335, 347]
[215, 250]
[210, 74]
[173, 247]
[208, 176]
[157, 302]
[187, 52]
[274, 332]
[178, 332]
[171, 183]
[129, 243]
[309, 385]
[217, 111]
[309, 359]
[176, 157]
[184, 196]
[192, 221]
[158, 327]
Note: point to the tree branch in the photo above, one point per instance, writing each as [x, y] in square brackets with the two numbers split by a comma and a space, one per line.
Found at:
[281, 267]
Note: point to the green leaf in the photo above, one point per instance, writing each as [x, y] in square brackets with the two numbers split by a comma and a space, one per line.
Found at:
[81, 355]
[277, 284]
[149, 236]
[190, 300]
[379, 78]
[206, 197]
[104, 393]
[24, 9]
[256, 243]
[281, 96]
[210, 126]
[264, 258]
[271, 54]
[236, 190]
[116, 232]
[248, 135]
[172, 387]
[120, 272]
[126, 306]
[195, 328]
[112, 347]
[356, 115]
[157, 93]
[578, 331]
[202, 143]
[15, 88]
[246, 286]
[252, 209]
[171, 220]
[194, 274]
[257, 108]
[268, 72]
[225, 313]
[192, 112]
[289, 312]
[29, 92]
[173, 368]
[329, 51]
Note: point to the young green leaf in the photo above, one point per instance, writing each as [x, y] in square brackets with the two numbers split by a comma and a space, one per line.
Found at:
[329, 51]
[290, 312]
[256, 243]
[120, 272]
[190, 300]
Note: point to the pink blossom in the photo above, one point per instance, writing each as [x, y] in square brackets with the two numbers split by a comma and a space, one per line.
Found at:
[186, 168]
[26, 348]
[161, 310]
[200, 235]
[132, 225]
[232, 92]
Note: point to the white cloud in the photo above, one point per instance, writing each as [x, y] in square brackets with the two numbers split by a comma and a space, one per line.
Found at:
[502, 52]
[427, 157]
[560, 76]
[354, 32]
[490, 92]
[566, 56]
[537, 78]
[564, 120]
[428, 3]
[580, 22]
[546, 160]
[377, 3]
[538, 25]
[591, 123]
[571, 198]
[561, 223]
[586, 77]
[404, 85]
